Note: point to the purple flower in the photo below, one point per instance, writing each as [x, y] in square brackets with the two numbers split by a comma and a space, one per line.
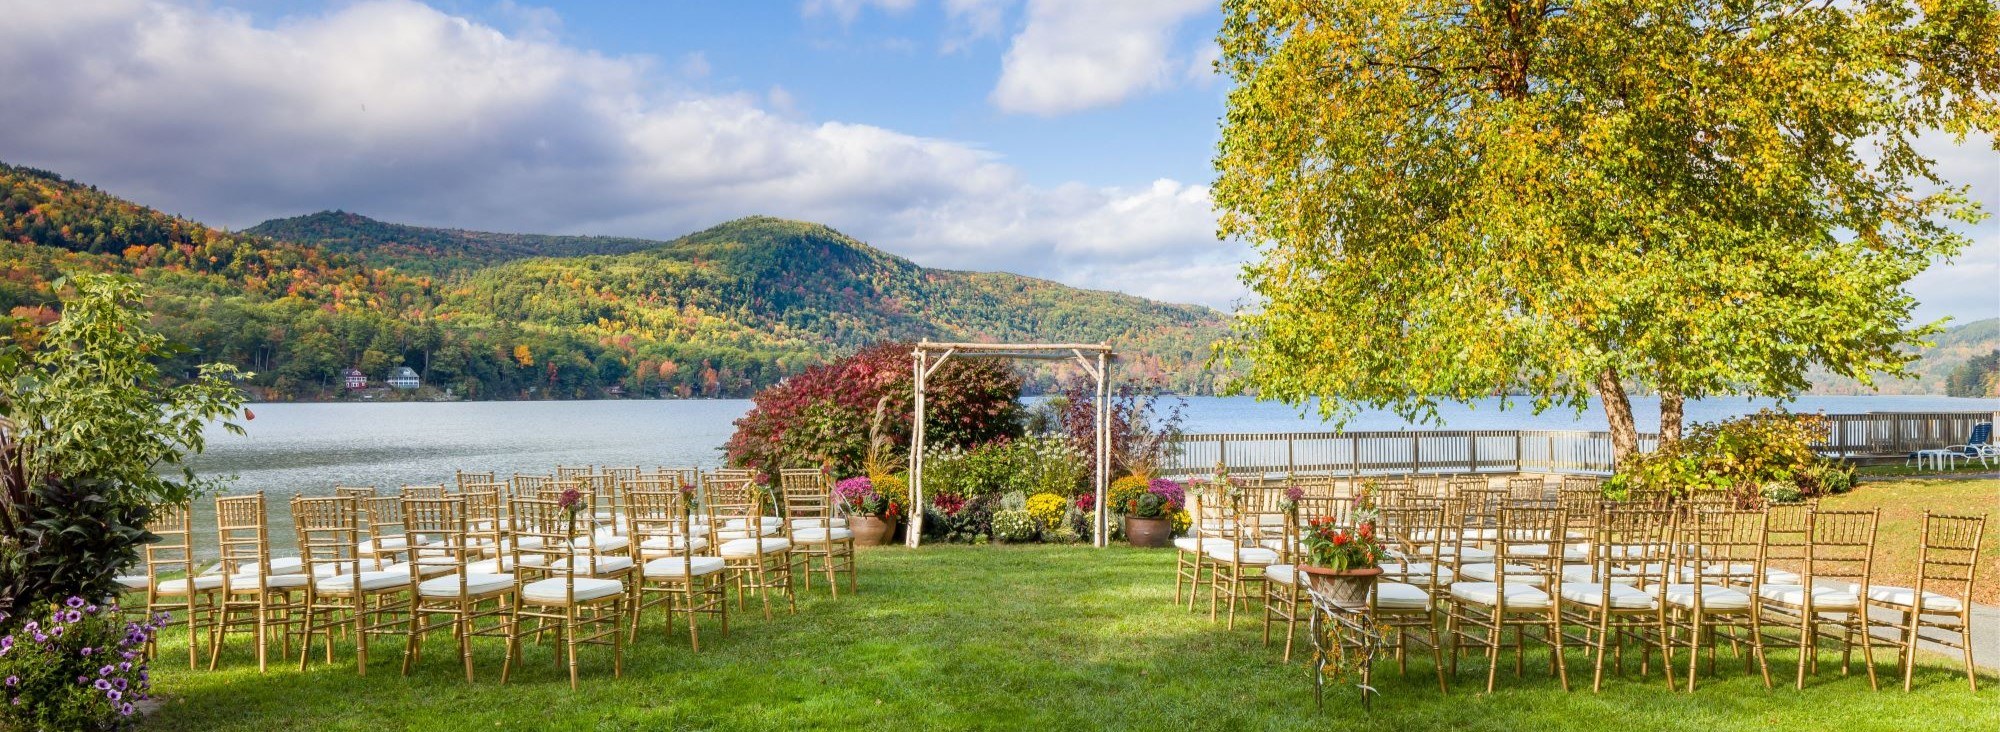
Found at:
[102, 685]
[1172, 491]
[120, 683]
[32, 626]
[72, 616]
[1294, 493]
[125, 709]
[87, 650]
[13, 681]
[57, 633]
[74, 601]
[106, 671]
[44, 637]
[91, 609]
[112, 694]
[124, 665]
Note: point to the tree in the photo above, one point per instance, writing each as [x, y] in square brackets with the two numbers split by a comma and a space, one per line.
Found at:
[1454, 200]
[92, 436]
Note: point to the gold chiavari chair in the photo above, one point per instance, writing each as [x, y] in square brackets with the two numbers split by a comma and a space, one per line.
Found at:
[469, 604]
[674, 569]
[1207, 522]
[1705, 595]
[1623, 594]
[688, 476]
[1515, 597]
[528, 486]
[1285, 597]
[570, 472]
[1840, 552]
[1581, 483]
[621, 474]
[258, 594]
[386, 542]
[1654, 497]
[362, 492]
[172, 585]
[1459, 485]
[1947, 561]
[1237, 573]
[423, 491]
[1404, 606]
[346, 593]
[755, 550]
[552, 587]
[465, 480]
[485, 517]
[818, 531]
[1527, 488]
[1427, 486]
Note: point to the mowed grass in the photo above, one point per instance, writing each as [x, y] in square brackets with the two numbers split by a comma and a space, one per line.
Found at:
[1015, 637]
[1899, 532]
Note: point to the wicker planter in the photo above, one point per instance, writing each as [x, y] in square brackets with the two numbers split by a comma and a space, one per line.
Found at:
[1347, 590]
[1149, 533]
[870, 530]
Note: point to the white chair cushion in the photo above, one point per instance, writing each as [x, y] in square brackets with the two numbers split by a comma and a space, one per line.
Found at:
[550, 591]
[679, 566]
[1192, 544]
[1624, 574]
[1468, 553]
[734, 534]
[280, 565]
[819, 536]
[768, 522]
[1516, 573]
[385, 545]
[1570, 553]
[180, 586]
[1906, 597]
[1401, 596]
[818, 523]
[596, 564]
[1283, 574]
[739, 548]
[1521, 597]
[667, 545]
[1823, 598]
[1623, 597]
[370, 581]
[604, 543]
[1248, 555]
[133, 582]
[475, 584]
[1713, 597]
[1417, 573]
[246, 583]
[504, 564]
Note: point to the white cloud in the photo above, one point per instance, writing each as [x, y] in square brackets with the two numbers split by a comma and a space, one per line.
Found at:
[970, 21]
[396, 110]
[848, 10]
[1079, 55]
[1968, 287]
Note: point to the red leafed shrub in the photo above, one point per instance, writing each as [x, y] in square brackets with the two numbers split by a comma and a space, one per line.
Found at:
[821, 417]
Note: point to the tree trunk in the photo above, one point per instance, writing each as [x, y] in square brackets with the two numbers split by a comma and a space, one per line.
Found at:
[1618, 412]
[1671, 410]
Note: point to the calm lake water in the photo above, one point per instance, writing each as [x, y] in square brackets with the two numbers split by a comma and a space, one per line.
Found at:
[309, 448]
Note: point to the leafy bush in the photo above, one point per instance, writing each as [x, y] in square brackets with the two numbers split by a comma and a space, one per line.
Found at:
[1047, 509]
[1769, 452]
[1142, 435]
[1013, 525]
[825, 415]
[92, 433]
[80, 667]
[892, 488]
[1046, 464]
[954, 518]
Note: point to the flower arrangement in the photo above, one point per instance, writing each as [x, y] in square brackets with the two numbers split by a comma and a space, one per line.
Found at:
[859, 497]
[80, 667]
[1125, 490]
[571, 500]
[891, 487]
[1013, 525]
[1161, 500]
[1289, 504]
[1047, 509]
[1341, 548]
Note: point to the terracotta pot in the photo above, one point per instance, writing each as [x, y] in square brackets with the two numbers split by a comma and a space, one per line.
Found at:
[869, 530]
[1347, 590]
[1149, 533]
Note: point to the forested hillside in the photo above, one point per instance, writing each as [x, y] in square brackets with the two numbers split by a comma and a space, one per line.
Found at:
[1949, 358]
[717, 313]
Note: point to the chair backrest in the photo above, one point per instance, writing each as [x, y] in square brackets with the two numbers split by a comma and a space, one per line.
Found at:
[528, 486]
[240, 535]
[1788, 530]
[1633, 544]
[485, 517]
[355, 491]
[1581, 483]
[329, 530]
[808, 496]
[552, 530]
[1527, 488]
[444, 523]
[384, 519]
[1722, 546]
[1465, 483]
[660, 510]
[1415, 532]
[690, 476]
[173, 551]
[1530, 536]
[621, 474]
[729, 490]
[1427, 485]
[1982, 434]
[566, 472]
[422, 491]
[1948, 559]
[1842, 547]
[465, 479]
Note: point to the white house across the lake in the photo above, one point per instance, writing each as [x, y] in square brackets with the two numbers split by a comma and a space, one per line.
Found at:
[403, 377]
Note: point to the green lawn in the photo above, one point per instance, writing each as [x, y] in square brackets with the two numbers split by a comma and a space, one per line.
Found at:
[1034, 637]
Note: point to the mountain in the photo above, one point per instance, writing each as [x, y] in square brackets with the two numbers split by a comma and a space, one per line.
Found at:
[435, 251]
[720, 312]
[1950, 351]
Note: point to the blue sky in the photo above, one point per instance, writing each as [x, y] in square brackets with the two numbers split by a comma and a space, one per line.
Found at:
[1067, 139]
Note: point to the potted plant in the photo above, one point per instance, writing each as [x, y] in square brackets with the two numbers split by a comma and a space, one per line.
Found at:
[1342, 562]
[870, 515]
[1149, 515]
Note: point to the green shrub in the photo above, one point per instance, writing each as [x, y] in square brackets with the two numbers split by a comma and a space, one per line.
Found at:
[73, 665]
[1046, 464]
[1758, 455]
[1013, 525]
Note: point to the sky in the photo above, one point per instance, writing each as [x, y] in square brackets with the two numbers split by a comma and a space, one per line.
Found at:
[1065, 139]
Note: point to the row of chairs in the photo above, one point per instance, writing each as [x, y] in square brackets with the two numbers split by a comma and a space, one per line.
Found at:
[504, 559]
[1571, 570]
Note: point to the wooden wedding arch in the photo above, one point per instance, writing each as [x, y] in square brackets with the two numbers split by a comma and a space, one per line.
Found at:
[1094, 358]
